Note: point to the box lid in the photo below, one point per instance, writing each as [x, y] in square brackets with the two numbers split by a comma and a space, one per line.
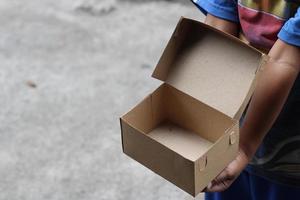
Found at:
[211, 66]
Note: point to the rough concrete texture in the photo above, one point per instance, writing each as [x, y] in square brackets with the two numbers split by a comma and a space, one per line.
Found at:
[69, 69]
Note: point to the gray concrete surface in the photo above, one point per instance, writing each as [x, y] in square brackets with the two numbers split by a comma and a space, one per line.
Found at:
[68, 70]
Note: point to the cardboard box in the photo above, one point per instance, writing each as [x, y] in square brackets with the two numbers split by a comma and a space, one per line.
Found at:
[187, 130]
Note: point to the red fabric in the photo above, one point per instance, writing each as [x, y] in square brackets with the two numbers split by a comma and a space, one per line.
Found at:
[260, 28]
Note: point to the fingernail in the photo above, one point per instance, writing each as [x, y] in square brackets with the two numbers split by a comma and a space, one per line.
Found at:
[209, 185]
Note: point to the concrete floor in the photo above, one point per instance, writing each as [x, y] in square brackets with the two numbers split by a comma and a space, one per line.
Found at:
[69, 69]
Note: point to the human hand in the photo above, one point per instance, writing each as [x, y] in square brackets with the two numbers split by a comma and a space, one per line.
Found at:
[229, 174]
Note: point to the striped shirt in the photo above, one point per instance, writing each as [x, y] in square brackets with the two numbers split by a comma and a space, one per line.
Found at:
[262, 21]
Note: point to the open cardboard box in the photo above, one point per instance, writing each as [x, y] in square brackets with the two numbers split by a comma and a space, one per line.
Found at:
[187, 130]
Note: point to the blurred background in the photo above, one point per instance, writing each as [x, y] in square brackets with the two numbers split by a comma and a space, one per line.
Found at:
[69, 69]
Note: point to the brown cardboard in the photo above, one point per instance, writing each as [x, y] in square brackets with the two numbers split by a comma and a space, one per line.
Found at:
[207, 66]
[187, 129]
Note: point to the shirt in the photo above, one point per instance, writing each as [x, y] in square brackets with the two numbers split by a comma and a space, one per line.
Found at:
[263, 22]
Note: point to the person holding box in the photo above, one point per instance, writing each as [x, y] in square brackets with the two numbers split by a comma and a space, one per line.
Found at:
[268, 163]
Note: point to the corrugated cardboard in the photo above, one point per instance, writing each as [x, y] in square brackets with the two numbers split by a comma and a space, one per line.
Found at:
[187, 130]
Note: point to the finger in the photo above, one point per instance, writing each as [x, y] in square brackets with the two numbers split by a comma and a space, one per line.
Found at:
[206, 188]
[221, 178]
[217, 188]
[220, 183]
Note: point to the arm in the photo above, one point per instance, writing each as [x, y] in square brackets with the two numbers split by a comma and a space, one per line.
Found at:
[220, 14]
[271, 92]
[223, 25]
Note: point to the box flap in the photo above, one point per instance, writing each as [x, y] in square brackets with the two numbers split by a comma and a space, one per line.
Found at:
[211, 66]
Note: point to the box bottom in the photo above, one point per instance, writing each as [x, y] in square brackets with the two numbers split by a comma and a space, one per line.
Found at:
[184, 142]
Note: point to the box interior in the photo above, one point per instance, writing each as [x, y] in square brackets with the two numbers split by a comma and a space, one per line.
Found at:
[188, 143]
[179, 121]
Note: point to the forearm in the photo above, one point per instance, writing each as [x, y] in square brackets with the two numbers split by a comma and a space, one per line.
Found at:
[272, 89]
[223, 25]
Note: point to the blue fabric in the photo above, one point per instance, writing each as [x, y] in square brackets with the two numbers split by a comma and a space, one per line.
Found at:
[224, 9]
[251, 187]
[290, 32]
